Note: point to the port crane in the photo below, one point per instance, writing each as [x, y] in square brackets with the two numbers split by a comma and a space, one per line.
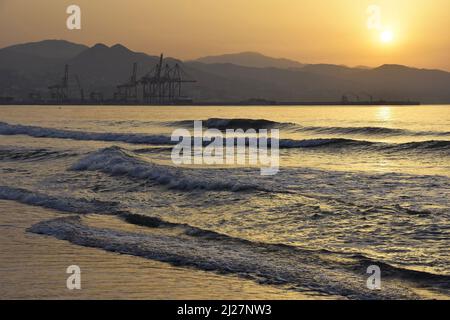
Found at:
[60, 91]
[128, 92]
[80, 88]
[163, 84]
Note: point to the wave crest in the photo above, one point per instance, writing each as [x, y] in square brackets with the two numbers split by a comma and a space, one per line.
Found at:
[40, 132]
[241, 123]
[265, 264]
[71, 205]
[235, 123]
[117, 161]
[371, 131]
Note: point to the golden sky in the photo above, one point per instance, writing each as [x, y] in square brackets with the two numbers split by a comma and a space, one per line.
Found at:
[311, 31]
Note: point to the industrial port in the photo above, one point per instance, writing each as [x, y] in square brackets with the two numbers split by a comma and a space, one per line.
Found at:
[162, 85]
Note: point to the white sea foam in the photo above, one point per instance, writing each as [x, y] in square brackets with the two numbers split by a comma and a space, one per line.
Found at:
[65, 204]
[117, 161]
[132, 138]
[263, 263]
[40, 132]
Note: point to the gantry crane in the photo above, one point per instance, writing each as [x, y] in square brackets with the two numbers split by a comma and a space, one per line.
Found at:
[163, 84]
[128, 92]
[60, 91]
[80, 88]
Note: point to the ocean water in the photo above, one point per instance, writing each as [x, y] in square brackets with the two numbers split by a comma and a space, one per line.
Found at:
[357, 186]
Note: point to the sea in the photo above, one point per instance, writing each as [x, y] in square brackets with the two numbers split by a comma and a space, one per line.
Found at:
[357, 186]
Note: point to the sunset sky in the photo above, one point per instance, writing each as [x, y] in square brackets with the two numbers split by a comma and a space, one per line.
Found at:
[310, 31]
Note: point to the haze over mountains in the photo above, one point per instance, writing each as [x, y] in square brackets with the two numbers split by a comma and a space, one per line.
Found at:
[252, 59]
[33, 67]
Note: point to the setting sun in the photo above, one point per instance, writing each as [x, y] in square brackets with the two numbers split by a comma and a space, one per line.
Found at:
[386, 36]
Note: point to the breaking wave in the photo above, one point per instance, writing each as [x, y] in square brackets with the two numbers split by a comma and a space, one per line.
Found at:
[223, 124]
[189, 246]
[338, 143]
[315, 143]
[71, 205]
[361, 260]
[264, 263]
[369, 131]
[119, 162]
[40, 132]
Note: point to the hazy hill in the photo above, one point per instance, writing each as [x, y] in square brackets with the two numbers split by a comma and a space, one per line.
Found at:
[33, 67]
[35, 57]
[24, 62]
[58, 49]
[401, 82]
[100, 68]
[330, 70]
[251, 59]
[276, 84]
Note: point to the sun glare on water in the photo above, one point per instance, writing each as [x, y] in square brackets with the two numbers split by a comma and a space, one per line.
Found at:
[384, 114]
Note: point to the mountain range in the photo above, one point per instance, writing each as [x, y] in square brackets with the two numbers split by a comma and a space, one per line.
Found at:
[252, 59]
[32, 67]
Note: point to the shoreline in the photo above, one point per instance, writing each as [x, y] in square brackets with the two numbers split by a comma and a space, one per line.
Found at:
[34, 267]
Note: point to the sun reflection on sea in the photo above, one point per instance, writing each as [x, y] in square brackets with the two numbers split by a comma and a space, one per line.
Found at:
[384, 114]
